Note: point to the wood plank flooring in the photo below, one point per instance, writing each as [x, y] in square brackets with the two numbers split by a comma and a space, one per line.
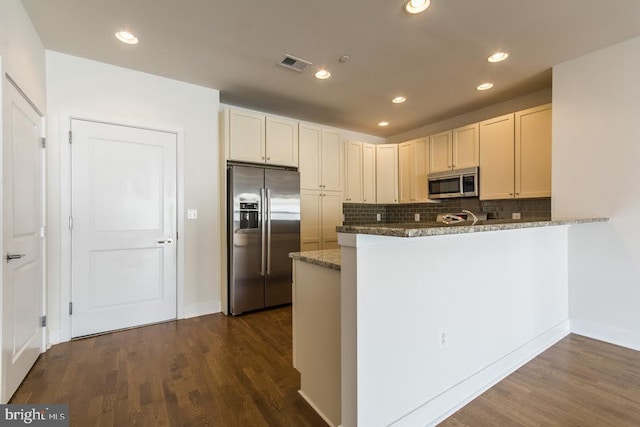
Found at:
[206, 371]
[577, 382]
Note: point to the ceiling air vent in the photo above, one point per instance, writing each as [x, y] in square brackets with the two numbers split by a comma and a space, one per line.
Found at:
[294, 63]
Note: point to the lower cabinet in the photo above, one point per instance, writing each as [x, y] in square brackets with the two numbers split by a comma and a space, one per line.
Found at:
[320, 214]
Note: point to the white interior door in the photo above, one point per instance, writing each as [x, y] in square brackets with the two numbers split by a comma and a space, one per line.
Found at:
[123, 227]
[22, 273]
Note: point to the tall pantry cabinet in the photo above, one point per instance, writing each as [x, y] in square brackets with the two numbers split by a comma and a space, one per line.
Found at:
[321, 165]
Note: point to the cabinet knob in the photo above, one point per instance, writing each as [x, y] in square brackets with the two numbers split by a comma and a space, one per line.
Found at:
[262, 157]
[268, 158]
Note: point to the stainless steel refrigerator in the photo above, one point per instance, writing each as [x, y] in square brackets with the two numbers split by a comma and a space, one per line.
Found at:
[263, 228]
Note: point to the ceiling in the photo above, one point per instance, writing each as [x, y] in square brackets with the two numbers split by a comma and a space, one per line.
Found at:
[435, 59]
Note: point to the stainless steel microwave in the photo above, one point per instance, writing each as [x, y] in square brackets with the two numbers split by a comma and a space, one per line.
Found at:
[455, 183]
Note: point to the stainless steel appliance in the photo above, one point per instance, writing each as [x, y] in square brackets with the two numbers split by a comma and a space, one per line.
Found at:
[455, 183]
[263, 227]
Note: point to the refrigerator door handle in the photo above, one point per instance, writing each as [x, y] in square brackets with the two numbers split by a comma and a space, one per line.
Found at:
[263, 241]
[269, 231]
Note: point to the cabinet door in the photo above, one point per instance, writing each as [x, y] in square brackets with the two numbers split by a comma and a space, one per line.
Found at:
[331, 217]
[419, 187]
[533, 152]
[332, 161]
[282, 142]
[368, 173]
[353, 172]
[309, 155]
[246, 136]
[405, 172]
[440, 152]
[466, 147]
[310, 220]
[387, 173]
[497, 158]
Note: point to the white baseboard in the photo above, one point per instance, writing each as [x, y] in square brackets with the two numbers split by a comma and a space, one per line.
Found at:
[55, 337]
[315, 408]
[446, 404]
[598, 331]
[201, 308]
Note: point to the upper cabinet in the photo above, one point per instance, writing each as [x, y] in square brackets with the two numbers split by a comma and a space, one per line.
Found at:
[455, 149]
[515, 156]
[387, 173]
[497, 158]
[533, 152]
[412, 171]
[321, 158]
[368, 173]
[281, 145]
[258, 138]
[353, 172]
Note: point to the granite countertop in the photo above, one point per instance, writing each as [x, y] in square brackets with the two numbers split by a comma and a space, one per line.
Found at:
[329, 258]
[417, 229]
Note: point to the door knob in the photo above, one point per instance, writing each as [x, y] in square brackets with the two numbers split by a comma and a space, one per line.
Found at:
[11, 256]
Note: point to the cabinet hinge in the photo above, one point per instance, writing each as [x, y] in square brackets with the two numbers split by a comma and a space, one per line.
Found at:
[70, 308]
[43, 140]
[43, 321]
[70, 223]
[70, 137]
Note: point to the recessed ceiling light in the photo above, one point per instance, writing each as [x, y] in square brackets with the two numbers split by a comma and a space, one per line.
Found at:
[398, 99]
[417, 6]
[323, 74]
[498, 57]
[126, 37]
[485, 86]
[383, 124]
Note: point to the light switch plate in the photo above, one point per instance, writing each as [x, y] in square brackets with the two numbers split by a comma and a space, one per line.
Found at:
[192, 213]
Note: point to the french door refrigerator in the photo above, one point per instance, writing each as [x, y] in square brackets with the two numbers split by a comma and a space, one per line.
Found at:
[263, 228]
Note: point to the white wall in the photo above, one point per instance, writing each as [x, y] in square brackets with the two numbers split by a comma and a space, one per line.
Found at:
[494, 110]
[88, 89]
[22, 52]
[501, 298]
[596, 157]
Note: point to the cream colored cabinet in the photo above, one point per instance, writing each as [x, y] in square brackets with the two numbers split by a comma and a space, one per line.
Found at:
[412, 171]
[455, 149]
[281, 146]
[257, 138]
[320, 158]
[440, 152]
[497, 158]
[465, 147]
[246, 136]
[387, 173]
[533, 152]
[368, 173]
[320, 214]
[515, 155]
[353, 172]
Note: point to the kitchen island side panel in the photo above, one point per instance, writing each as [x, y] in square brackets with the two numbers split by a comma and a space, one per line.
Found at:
[432, 312]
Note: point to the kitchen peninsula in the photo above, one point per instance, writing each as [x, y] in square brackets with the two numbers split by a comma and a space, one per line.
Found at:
[431, 316]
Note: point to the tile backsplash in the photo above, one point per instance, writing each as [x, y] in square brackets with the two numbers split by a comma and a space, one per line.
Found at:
[357, 213]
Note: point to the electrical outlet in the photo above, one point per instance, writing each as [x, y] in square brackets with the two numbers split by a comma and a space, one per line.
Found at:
[443, 339]
[516, 215]
[378, 217]
[192, 213]
[416, 217]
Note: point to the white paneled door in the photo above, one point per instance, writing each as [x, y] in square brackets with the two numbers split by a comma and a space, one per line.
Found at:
[23, 233]
[123, 227]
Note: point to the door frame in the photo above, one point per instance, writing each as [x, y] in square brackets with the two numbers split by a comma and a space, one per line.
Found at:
[65, 212]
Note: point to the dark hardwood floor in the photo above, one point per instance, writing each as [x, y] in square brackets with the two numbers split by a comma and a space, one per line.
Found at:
[224, 371]
[206, 371]
[577, 382]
